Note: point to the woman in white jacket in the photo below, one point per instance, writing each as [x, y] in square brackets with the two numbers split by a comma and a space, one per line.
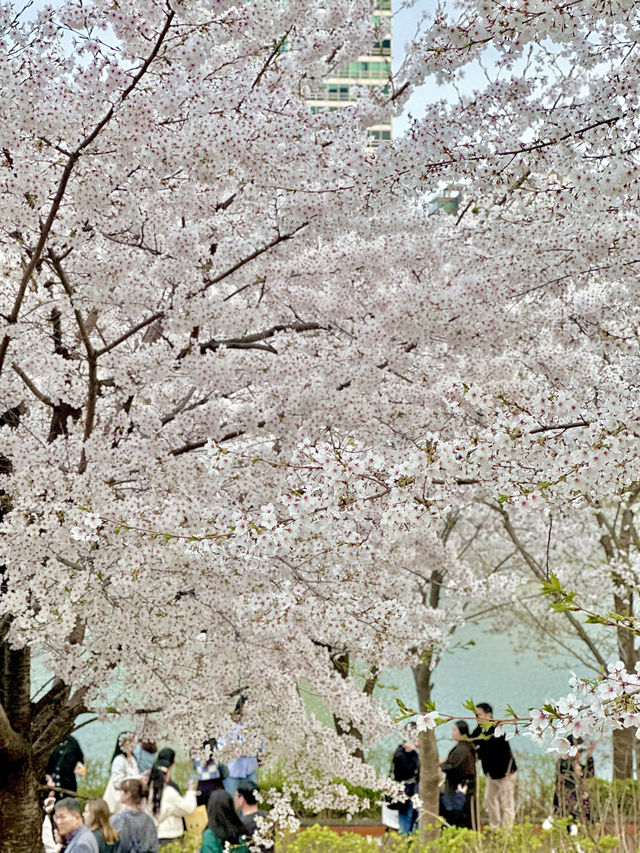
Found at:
[123, 766]
[165, 804]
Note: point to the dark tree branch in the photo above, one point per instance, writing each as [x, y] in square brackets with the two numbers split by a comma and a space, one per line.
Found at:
[141, 325]
[551, 427]
[276, 49]
[249, 341]
[32, 387]
[66, 284]
[539, 572]
[200, 443]
[69, 166]
[281, 238]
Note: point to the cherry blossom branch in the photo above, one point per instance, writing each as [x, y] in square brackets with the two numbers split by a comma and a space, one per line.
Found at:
[69, 166]
[281, 238]
[37, 252]
[565, 601]
[132, 331]
[32, 387]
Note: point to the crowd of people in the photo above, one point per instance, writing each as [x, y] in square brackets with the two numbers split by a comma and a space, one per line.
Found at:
[142, 808]
[457, 801]
[458, 804]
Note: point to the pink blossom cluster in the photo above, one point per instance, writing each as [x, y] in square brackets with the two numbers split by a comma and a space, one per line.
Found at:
[596, 709]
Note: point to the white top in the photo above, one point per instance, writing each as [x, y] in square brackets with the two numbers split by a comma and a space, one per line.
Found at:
[173, 808]
[121, 768]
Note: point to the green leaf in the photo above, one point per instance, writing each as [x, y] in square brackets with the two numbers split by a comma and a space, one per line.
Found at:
[552, 586]
[470, 705]
[565, 603]
[594, 619]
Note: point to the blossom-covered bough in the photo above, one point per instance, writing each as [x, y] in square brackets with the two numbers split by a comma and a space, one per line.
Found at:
[228, 323]
[598, 708]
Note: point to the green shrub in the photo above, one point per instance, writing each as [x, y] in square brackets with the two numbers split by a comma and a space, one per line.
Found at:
[614, 802]
[321, 839]
[186, 844]
[91, 786]
[523, 838]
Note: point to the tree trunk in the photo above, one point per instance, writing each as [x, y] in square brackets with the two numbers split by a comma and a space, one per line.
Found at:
[19, 808]
[29, 731]
[624, 739]
[623, 745]
[428, 751]
[20, 815]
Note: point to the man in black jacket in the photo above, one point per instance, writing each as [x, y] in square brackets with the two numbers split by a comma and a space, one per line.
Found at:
[499, 766]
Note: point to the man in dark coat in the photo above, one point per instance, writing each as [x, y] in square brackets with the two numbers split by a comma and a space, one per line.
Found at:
[499, 767]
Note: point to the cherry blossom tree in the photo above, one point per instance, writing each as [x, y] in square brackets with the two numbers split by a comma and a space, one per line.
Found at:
[246, 376]
[177, 223]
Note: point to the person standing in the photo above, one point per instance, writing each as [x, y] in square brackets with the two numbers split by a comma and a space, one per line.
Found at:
[77, 837]
[246, 805]
[166, 805]
[66, 761]
[499, 766]
[123, 766]
[245, 767]
[459, 768]
[225, 830]
[406, 768]
[145, 754]
[96, 817]
[136, 828]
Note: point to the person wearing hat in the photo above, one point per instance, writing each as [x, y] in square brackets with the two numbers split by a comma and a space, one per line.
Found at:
[165, 804]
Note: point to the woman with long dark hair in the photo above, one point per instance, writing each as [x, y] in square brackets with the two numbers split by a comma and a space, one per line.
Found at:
[123, 766]
[459, 768]
[224, 825]
[166, 806]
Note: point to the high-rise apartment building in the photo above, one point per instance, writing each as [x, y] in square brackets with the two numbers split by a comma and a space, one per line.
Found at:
[372, 70]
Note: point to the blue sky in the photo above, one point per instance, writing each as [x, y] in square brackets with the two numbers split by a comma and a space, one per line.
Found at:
[407, 21]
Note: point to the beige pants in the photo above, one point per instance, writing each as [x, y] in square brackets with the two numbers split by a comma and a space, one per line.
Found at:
[499, 798]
